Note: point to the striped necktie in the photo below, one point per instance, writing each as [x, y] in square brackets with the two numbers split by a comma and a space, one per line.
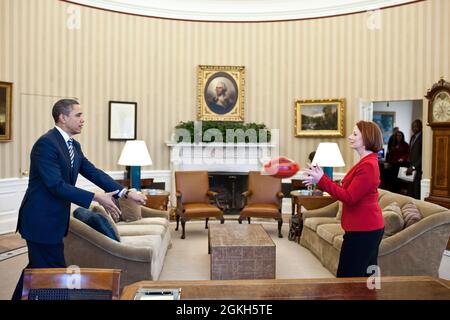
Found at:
[71, 154]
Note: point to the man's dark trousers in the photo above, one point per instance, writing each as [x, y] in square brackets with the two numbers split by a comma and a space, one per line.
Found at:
[41, 256]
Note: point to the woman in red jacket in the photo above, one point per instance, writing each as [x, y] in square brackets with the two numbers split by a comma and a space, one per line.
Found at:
[362, 219]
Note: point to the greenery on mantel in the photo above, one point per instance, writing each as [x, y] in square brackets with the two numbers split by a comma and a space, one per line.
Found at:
[222, 126]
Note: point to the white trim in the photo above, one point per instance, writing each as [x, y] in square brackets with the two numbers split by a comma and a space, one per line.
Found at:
[12, 191]
[239, 10]
[424, 188]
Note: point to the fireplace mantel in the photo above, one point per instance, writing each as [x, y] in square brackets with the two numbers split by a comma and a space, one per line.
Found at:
[216, 156]
[219, 157]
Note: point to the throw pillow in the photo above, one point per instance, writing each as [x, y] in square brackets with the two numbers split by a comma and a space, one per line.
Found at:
[111, 221]
[339, 213]
[411, 214]
[393, 219]
[96, 221]
[131, 211]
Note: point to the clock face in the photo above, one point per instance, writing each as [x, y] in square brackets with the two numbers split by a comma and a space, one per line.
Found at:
[441, 107]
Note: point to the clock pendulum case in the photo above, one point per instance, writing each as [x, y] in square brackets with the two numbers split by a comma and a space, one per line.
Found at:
[439, 121]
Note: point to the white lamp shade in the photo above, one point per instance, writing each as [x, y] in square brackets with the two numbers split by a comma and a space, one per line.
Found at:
[328, 155]
[135, 153]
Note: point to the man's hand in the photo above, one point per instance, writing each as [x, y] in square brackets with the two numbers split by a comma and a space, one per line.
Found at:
[409, 171]
[106, 200]
[139, 198]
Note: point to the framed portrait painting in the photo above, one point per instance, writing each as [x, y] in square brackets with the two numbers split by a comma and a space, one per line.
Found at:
[5, 110]
[221, 93]
[386, 121]
[122, 120]
[319, 118]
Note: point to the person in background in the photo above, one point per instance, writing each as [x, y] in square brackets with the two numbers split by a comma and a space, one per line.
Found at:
[56, 161]
[362, 219]
[391, 141]
[415, 158]
[398, 157]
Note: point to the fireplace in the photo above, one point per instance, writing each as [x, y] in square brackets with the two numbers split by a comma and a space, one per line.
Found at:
[227, 164]
[230, 186]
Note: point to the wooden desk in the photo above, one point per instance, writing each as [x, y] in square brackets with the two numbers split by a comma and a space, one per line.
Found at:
[309, 202]
[145, 183]
[392, 288]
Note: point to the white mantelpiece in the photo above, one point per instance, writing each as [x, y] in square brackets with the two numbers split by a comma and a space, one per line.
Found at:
[229, 157]
[219, 157]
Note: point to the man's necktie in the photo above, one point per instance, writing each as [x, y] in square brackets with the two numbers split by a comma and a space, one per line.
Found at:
[71, 154]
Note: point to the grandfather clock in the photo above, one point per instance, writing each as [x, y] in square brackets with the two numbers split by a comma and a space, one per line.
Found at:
[439, 121]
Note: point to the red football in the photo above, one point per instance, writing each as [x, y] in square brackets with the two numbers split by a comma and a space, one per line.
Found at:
[281, 167]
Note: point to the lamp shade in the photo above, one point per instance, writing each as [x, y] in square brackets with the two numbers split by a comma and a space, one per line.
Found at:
[328, 155]
[135, 153]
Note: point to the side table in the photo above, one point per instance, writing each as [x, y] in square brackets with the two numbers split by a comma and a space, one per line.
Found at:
[309, 203]
[156, 199]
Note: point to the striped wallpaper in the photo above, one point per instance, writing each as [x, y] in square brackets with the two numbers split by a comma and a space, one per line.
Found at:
[154, 62]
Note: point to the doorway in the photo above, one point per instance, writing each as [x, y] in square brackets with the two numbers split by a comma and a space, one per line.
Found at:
[396, 149]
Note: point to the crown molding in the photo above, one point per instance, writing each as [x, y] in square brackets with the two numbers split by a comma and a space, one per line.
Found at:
[239, 10]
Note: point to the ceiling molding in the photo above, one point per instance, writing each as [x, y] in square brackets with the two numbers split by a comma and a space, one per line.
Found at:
[239, 10]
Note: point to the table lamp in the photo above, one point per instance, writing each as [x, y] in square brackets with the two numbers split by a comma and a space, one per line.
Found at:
[135, 154]
[328, 156]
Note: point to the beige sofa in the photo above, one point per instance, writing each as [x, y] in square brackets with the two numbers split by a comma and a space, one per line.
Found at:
[415, 250]
[140, 253]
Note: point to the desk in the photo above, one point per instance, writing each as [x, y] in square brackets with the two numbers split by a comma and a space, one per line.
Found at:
[145, 183]
[156, 199]
[392, 288]
[309, 202]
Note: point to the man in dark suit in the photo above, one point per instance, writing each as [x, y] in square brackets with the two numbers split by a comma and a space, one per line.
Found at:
[415, 158]
[56, 161]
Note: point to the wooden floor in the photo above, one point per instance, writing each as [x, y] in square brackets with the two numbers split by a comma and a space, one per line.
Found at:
[11, 241]
[391, 288]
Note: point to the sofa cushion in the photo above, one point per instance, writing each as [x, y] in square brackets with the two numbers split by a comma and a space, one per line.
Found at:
[393, 219]
[146, 241]
[411, 214]
[103, 212]
[158, 221]
[96, 221]
[339, 213]
[329, 231]
[337, 241]
[141, 230]
[131, 211]
[314, 222]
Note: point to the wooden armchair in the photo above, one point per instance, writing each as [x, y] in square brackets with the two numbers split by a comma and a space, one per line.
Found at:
[193, 198]
[71, 284]
[263, 199]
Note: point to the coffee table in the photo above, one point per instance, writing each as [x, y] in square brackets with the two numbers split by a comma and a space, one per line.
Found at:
[240, 251]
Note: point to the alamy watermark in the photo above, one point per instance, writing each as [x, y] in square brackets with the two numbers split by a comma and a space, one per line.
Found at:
[373, 21]
[73, 280]
[235, 146]
[73, 21]
[373, 281]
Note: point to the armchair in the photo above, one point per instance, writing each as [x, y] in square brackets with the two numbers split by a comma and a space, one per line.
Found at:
[193, 198]
[263, 199]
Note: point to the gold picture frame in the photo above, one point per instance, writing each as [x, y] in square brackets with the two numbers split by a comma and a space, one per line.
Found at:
[221, 93]
[5, 110]
[319, 118]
